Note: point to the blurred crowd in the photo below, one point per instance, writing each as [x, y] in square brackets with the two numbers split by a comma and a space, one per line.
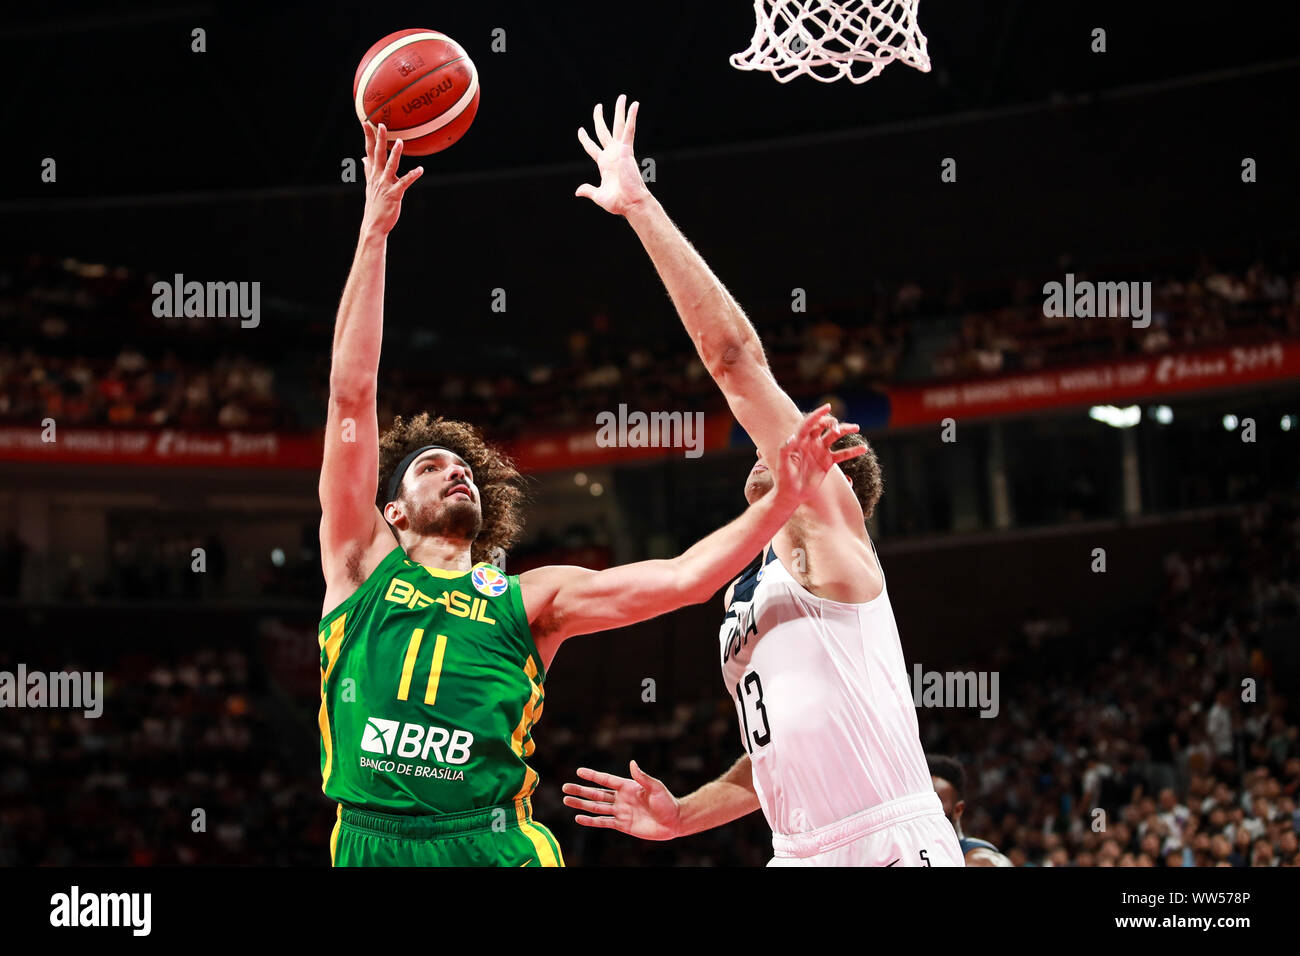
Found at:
[182, 767]
[1136, 746]
[1120, 747]
[1171, 748]
[1188, 309]
[130, 390]
[204, 374]
[64, 355]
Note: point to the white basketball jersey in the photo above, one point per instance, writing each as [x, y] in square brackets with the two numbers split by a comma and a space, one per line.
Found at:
[822, 694]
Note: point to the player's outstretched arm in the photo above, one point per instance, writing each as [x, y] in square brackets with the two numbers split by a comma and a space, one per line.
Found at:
[350, 521]
[562, 601]
[642, 806]
[725, 339]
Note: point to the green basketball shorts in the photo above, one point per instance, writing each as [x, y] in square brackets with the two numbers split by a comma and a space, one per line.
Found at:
[496, 836]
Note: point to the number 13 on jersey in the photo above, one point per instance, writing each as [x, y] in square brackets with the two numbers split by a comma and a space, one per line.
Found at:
[749, 693]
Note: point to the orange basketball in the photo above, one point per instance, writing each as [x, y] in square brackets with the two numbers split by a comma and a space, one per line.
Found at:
[422, 85]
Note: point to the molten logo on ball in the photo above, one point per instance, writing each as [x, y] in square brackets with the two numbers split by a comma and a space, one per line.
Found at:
[437, 78]
[427, 99]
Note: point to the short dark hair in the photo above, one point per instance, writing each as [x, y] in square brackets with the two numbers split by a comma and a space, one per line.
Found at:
[948, 768]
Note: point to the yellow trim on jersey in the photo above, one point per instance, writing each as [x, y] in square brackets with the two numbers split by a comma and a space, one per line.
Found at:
[435, 670]
[523, 805]
[555, 844]
[527, 718]
[330, 645]
[442, 573]
[408, 665]
[546, 855]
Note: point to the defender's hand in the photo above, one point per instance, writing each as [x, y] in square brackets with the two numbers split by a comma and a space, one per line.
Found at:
[806, 456]
[621, 186]
[641, 807]
[384, 191]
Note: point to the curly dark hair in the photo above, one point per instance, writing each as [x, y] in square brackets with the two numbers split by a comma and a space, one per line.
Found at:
[868, 482]
[499, 483]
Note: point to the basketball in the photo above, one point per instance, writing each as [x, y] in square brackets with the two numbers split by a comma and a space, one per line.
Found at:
[422, 85]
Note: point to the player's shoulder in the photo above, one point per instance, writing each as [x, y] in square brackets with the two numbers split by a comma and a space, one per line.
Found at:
[551, 576]
[539, 586]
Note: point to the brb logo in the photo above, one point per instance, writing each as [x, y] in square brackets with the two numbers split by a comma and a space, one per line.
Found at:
[392, 738]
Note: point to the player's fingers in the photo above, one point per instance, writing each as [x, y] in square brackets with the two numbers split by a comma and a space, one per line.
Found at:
[629, 128]
[602, 779]
[620, 112]
[591, 806]
[404, 183]
[844, 454]
[370, 137]
[837, 430]
[381, 144]
[592, 149]
[597, 822]
[588, 793]
[598, 117]
[640, 776]
[829, 428]
[586, 190]
[394, 156]
[812, 425]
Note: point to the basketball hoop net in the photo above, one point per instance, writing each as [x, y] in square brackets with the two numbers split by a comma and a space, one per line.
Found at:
[830, 41]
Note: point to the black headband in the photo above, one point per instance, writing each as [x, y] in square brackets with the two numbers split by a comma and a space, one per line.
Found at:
[395, 481]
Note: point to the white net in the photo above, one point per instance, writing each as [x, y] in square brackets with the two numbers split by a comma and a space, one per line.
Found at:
[832, 41]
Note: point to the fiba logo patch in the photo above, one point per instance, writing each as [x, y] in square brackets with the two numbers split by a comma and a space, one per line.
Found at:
[488, 580]
[379, 735]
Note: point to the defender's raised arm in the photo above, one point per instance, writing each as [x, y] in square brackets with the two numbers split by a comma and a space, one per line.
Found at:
[726, 341]
[730, 349]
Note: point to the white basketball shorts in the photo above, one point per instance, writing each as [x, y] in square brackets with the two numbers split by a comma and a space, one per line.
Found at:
[910, 831]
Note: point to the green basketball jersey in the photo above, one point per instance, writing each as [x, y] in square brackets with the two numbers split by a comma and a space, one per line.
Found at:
[430, 685]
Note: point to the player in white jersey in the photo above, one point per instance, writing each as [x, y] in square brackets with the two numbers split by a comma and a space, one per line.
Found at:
[809, 648]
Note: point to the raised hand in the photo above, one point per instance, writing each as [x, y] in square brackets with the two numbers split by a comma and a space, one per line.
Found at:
[806, 456]
[384, 191]
[641, 806]
[621, 186]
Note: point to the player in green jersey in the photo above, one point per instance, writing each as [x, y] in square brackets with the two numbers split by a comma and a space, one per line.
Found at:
[433, 660]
